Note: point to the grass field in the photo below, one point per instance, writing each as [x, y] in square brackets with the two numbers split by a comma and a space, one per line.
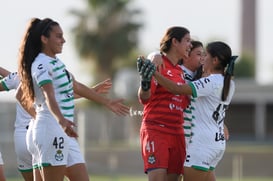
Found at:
[143, 178]
[251, 154]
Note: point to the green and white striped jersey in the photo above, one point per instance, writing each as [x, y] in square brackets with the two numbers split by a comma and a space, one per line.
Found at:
[46, 70]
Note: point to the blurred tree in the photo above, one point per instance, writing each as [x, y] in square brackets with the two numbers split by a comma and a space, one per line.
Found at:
[245, 67]
[106, 34]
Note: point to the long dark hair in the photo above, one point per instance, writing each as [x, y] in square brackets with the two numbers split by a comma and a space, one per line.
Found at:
[30, 47]
[223, 52]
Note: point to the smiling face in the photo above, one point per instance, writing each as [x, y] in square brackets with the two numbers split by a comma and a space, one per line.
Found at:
[53, 44]
[209, 62]
[196, 58]
[184, 46]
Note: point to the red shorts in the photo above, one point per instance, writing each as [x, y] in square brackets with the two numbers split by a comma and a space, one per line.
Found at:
[163, 150]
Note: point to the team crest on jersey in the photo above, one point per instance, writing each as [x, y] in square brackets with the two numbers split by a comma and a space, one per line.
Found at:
[151, 159]
[59, 156]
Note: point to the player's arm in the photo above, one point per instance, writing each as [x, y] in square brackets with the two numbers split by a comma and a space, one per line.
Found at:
[4, 72]
[67, 125]
[144, 95]
[156, 59]
[115, 106]
[101, 87]
[171, 86]
[226, 132]
[146, 71]
[2, 87]
[9, 82]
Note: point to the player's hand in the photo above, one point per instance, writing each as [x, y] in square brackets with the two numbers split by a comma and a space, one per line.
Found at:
[146, 70]
[140, 61]
[103, 87]
[157, 60]
[118, 107]
[67, 126]
[226, 133]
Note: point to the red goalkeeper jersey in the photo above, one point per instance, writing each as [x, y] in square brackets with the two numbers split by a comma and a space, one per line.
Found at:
[163, 110]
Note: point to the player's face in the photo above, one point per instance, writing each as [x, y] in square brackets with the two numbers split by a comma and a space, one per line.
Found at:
[208, 63]
[184, 46]
[196, 58]
[54, 43]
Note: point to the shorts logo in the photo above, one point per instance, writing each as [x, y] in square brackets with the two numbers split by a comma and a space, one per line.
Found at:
[59, 155]
[151, 159]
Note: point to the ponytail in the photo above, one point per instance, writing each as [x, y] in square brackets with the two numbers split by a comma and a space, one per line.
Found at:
[227, 77]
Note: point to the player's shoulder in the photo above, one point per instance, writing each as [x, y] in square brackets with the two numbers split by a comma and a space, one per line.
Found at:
[41, 61]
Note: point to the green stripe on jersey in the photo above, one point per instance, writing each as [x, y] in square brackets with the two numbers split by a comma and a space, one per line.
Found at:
[60, 76]
[187, 127]
[68, 115]
[4, 85]
[58, 68]
[53, 62]
[66, 91]
[187, 119]
[44, 82]
[63, 85]
[194, 93]
[68, 100]
[67, 107]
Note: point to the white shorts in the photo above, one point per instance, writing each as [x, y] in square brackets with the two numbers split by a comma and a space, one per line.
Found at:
[74, 154]
[24, 158]
[31, 147]
[1, 159]
[50, 140]
[202, 158]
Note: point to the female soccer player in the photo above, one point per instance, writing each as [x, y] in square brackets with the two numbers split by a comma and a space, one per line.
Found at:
[23, 122]
[46, 84]
[161, 133]
[213, 95]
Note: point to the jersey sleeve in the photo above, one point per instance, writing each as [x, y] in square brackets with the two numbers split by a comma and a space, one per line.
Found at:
[42, 73]
[201, 87]
[10, 82]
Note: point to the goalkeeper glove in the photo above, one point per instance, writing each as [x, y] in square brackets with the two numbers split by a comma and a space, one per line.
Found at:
[146, 70]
